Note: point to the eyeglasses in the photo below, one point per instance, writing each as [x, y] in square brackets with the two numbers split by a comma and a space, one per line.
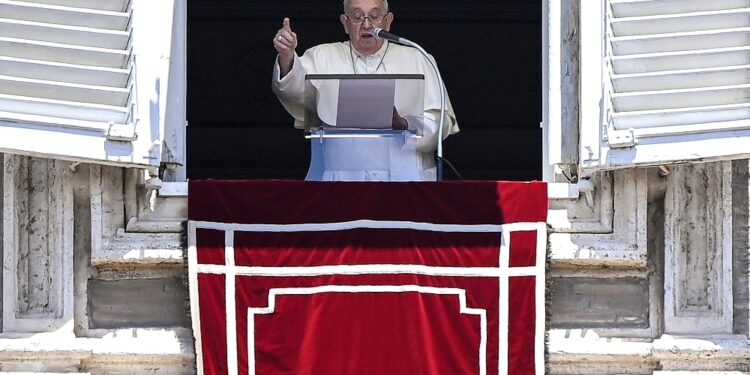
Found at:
[359, 18]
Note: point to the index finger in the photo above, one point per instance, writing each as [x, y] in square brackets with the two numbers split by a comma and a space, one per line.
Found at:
[286, 25]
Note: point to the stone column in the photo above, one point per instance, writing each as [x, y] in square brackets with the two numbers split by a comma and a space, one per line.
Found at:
[37, 245]
[741, 247]
[698, 250]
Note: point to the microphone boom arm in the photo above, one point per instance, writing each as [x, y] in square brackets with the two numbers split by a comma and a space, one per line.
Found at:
[380, 33]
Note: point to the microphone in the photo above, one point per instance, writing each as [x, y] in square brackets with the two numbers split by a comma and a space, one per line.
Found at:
[382, 34]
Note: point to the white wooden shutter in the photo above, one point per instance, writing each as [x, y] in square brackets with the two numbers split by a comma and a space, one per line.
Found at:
[664, 81]
[85, 80]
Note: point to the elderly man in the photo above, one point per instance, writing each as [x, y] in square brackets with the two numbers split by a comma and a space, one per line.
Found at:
[362, 54]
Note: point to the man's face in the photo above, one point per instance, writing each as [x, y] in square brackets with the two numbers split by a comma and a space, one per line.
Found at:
[362, 16]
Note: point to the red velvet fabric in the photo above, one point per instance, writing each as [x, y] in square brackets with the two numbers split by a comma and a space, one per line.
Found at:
[384, 322]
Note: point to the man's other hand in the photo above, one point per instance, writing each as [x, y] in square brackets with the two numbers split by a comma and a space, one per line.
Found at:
[398, 122]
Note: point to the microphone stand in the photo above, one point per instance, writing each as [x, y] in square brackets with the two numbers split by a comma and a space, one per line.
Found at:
[439, 165]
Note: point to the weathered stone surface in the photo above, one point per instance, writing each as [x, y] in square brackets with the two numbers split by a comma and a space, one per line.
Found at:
[152, 233]
[741, 246]
[570, 76]
[158, 302]
[128, 352]
[698, 250]
[583, 352]
[699, 373]
[604, 228]
[599, 303]
[81, 246]
[38, 244]
[657, 187]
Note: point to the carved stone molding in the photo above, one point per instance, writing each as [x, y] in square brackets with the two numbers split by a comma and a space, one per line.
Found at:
[135, 351]
[608, 229]
[698, 249]
[583, 213]
[151, 233]
[38, 245]
[582, 352]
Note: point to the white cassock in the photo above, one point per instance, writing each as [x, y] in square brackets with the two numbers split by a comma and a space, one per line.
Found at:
[369, 159]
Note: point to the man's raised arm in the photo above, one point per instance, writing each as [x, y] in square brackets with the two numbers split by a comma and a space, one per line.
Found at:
[285, 42]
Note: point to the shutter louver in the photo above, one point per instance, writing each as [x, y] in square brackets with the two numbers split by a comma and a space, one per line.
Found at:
[93, 80]
[679, 63]
[664, 81]
[66, 62]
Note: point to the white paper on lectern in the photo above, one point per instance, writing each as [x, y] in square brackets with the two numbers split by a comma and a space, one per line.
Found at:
[366, 103]
[363, 101]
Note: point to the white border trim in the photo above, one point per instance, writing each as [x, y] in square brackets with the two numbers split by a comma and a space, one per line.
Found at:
[503, 273]
[368, 224]
[230, 302]
[368, 269]
[502, 308]
[274, 292]
[195, 311]
[540, 307]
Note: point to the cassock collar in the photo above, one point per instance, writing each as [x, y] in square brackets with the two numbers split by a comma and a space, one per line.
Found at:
[379, 54]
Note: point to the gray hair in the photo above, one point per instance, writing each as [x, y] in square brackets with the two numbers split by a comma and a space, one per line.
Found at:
[347, 2]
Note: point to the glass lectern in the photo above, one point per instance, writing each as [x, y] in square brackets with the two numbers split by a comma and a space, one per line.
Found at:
[364, 127]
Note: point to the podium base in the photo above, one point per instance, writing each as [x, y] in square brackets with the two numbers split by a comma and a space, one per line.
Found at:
[367, 156]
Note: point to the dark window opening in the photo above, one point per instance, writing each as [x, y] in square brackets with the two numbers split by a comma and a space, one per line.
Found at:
[489, 54]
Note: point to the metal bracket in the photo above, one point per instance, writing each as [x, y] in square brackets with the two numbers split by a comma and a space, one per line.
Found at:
[73, 166]
[586, 187]
[121, 132]
[621, 138]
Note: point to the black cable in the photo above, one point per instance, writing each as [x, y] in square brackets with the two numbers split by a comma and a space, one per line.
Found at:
[440, 160]
[570, 179]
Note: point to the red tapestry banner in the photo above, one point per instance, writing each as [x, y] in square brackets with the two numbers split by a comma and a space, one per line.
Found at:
[333, 278]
